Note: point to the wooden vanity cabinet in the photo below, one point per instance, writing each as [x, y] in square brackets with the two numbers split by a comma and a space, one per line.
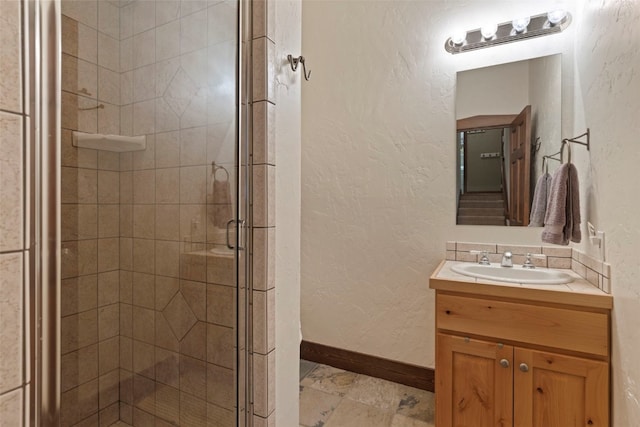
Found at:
[517, 372]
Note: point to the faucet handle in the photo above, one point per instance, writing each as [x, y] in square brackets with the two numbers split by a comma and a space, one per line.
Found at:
[484, 257]
[528, 263]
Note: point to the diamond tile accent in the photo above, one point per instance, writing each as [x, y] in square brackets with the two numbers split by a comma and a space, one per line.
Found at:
[180, 91]
[179, 316]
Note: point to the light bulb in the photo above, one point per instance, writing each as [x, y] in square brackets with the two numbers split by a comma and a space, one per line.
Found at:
[556, 16]
[458, 37]
[488, 31]
[520, 24]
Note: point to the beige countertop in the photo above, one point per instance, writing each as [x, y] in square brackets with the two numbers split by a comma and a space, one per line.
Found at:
[577, 293]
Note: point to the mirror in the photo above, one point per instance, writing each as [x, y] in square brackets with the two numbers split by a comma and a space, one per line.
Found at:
[508, 117]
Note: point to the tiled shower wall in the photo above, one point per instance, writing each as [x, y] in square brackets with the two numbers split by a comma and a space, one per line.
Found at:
[14, 246]
[148, 313]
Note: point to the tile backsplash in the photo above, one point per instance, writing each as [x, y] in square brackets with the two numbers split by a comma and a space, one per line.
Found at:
[597, 272]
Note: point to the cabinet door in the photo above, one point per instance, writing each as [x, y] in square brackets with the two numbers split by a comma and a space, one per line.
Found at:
[553, 390]
[474, 383]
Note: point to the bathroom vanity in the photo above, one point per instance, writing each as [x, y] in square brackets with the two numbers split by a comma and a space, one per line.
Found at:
[509, 354]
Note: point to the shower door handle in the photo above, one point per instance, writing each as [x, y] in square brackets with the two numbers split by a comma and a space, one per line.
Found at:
[241, 223]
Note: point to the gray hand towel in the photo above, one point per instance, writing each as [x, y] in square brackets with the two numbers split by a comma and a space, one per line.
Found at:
[562, 219]
[540, 197]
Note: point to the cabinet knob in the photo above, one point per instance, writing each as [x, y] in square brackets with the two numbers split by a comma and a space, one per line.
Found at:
[504, 363]
[524, 367]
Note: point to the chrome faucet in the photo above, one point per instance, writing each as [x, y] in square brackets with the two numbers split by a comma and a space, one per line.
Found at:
[484, 257]
[507, 260]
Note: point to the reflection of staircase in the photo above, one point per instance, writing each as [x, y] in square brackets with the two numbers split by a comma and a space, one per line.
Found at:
[481, 209]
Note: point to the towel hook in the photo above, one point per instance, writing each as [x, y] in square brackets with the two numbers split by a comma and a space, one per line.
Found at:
[297, 61]
[565, 142]
[215, 168]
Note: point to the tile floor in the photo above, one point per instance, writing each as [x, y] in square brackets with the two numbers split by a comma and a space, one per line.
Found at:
[331, 397]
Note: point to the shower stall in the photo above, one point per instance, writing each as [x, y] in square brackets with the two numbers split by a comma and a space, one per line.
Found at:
[153, 198]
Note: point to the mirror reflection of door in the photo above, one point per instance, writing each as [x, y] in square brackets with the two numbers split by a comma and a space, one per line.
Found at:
[494, 162]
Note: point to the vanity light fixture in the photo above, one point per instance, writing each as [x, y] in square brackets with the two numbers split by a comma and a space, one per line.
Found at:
[519, 29]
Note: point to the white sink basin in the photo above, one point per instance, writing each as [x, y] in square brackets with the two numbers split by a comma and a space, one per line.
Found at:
[541, 276]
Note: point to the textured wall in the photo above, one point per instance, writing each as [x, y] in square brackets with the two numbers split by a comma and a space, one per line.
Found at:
[288, 88]
[606, 100]
[379, 165]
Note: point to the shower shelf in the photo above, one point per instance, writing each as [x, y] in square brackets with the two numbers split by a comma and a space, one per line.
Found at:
[117, 143]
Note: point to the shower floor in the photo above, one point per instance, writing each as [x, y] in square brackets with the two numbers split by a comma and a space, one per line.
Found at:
[331, 397]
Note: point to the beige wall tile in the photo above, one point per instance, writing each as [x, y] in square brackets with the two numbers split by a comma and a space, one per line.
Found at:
[167, 150]
[167, 228]
[166, 288]
[126, 187]
[145, 159]
[108, 254]
[108, 160]
[85, 11]
[179, 316]
[126, 54]
[167, 185]
[193, 410]
[193, 376]
[144, 48]
[220, 416]
[168, 40]
[144, 290]
[264, 196]
[79, 258]
[165, 338]
[126, 354]
[108, 53]
[109, 355]
[263, 70]
[144, 183]
[143, 16]
[110, 415]
[108, 220]
[108, 288]
[108, 187]
[220, 270]
[193, 267]
[193, 222]
[79, 222]
[144, 221]
[220, 346]
[126, 320]
[144, 359]
[193, 146]
[10, 57]
[220, 305]
[193, 183]
[195, 294]
[191, 35]
[220, 388]
[11, 313]
[194, 344]
[79, 40]
[144, 114]
[109, 19]
[126, 286]
[264, 133]
[222, 22]
[466, 247]
[79, 403]
[143, 324]
[79, 330]
[264, 258]
[167, 258]
[126, 253]
[167, 405]
[144, 396]
[79, 367]
[167, 367]
[108, 321]
[166, 119]
[78, 294]
[79, 76]
[76, 157]
[167, 10]
[109, 123]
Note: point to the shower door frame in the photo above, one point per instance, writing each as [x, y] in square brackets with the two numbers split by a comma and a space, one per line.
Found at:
[43, 58]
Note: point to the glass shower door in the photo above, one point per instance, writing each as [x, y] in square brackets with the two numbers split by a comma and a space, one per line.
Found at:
[152, 301]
